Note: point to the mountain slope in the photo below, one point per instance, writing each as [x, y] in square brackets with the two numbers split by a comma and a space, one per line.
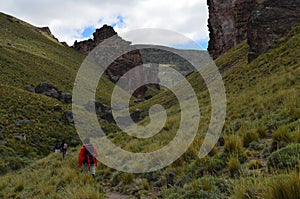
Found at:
[262, 122]
[28, 56]
[60, 179]
[263, 115]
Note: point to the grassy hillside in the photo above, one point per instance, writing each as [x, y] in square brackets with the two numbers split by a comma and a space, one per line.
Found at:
[30, 57]
[60, 179]
[257, 155]
[263, 117]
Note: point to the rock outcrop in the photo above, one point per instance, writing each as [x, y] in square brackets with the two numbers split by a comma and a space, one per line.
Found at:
[121, 65]
[268, 22]
[261, 22]
[52, 91]
[227, 24]
[47, 31]
[86, 46]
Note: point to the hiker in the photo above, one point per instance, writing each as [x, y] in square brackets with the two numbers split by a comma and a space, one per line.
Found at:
[57, 147]
[63, 148]
[87, 157]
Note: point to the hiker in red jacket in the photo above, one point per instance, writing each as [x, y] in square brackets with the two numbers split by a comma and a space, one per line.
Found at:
[87, 157]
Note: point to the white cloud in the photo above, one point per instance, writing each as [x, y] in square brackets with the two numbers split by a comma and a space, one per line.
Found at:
[67, 19]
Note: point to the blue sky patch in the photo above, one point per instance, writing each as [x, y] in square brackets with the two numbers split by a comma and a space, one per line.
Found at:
[200, 45]
[119, 21]
[88, 32]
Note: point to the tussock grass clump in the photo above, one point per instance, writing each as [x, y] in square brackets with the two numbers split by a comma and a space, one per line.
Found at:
[248, 188]
[233, 166]
[255, 164]
[249, 137]
[126, 178]
[285, 188]
[262, 131]
[233, 144]
[281, 138]
[205, 187]
[296, 136]
[145, 185]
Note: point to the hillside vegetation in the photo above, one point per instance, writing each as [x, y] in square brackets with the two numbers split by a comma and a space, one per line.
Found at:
[30, 57]
[256, 156]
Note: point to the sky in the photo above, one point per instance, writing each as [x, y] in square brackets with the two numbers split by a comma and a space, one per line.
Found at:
[71, 20]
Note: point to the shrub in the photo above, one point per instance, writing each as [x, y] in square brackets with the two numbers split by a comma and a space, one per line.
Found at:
[285, 158]
[233, 144]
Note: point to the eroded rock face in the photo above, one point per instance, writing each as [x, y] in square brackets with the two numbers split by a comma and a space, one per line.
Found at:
[121, 65]
[227, 24]
[268, 22]
[261, 22]
[85, 47]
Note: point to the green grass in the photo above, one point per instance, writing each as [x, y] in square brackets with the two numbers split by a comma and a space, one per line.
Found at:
[51, 177]
[263, 106]
[33, 58]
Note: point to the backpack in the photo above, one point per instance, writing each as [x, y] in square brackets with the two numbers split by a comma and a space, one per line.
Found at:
[57, 145]
[89, 154]
[65, 146]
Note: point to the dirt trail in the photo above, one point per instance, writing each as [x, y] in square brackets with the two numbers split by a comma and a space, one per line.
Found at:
[115, 195]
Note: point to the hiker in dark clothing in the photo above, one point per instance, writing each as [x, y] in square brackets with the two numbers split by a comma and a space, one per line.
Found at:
[57, 147]
[63, 148]
[87, 157]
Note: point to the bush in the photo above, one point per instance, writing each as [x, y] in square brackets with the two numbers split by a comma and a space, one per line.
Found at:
[285, 158]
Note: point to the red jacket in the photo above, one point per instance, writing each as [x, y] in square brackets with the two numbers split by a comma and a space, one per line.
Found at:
[85, 158]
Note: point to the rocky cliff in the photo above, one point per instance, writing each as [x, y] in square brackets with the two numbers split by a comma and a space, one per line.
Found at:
[227, 24]
[121, 65]
[268, 22]
[100, 35]
[261, 22]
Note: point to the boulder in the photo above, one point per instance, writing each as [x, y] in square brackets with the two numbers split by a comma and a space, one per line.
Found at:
[68, 117]
[20, 136]
[20, 122]
[48, 89]
[66, 98]
[57, 107]
[102, 110]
